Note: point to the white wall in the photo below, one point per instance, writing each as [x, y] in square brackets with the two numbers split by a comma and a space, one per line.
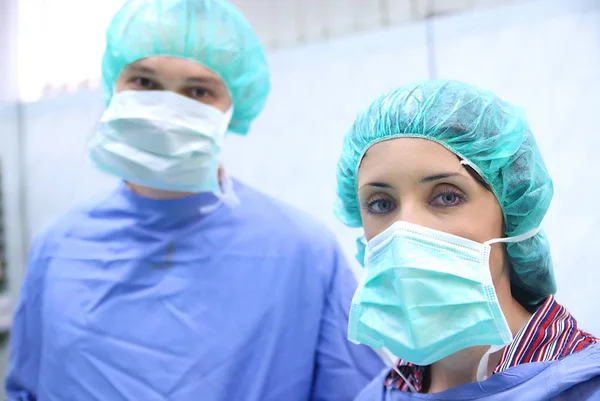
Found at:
[546, 58]
[543, 55]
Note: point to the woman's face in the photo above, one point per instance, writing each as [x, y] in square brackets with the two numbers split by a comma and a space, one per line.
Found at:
[421, 182]
[176, 75]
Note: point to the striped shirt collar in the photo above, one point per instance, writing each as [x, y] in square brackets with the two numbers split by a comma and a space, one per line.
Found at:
[551, 334]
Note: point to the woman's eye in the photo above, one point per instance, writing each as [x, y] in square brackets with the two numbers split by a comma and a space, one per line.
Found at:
[144, 83]
[380, 206]
[448, 199]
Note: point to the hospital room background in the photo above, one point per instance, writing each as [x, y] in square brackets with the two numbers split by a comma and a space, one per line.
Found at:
[328, 58]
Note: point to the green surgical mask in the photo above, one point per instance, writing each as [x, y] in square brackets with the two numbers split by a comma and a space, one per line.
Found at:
[427, 294]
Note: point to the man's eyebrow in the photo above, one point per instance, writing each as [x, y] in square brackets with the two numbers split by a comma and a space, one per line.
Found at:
[202, 80]
[190, 80]
[141, 68]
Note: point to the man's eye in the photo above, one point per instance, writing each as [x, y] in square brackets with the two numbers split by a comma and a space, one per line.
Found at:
[199, 92]
[143, 83]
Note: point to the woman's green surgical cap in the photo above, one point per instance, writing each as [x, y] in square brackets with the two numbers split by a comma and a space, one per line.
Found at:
[490, 135]
[210, 32]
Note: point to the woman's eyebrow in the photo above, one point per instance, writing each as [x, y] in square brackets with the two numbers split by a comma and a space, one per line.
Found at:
[439, 176]
[376, 185]
[422, 180]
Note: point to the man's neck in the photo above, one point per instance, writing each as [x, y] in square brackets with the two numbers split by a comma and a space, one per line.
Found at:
[154, 193]
[161, 194]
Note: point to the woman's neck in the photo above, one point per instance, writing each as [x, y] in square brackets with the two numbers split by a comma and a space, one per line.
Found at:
[461, 367]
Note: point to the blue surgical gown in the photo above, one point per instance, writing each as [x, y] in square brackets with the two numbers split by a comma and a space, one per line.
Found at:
[150, 300]
[574, 378]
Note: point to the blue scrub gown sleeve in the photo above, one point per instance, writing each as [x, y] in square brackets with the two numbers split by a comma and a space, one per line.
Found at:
[343, 368]
[25, 337]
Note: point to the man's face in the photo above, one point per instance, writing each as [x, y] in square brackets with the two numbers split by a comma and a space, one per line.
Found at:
[177, 75]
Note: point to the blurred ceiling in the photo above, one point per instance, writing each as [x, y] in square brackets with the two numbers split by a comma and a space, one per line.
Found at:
[61, 32]
[282, 23]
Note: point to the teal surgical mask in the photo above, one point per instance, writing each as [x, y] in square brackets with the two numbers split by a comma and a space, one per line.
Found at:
[427, 294]
[161, 140]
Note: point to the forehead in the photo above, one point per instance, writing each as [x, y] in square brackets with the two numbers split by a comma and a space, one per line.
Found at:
[406, 157]
[172, 67]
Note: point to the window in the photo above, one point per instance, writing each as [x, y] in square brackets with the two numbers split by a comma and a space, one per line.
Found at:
[60, 44]
[3, 258]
